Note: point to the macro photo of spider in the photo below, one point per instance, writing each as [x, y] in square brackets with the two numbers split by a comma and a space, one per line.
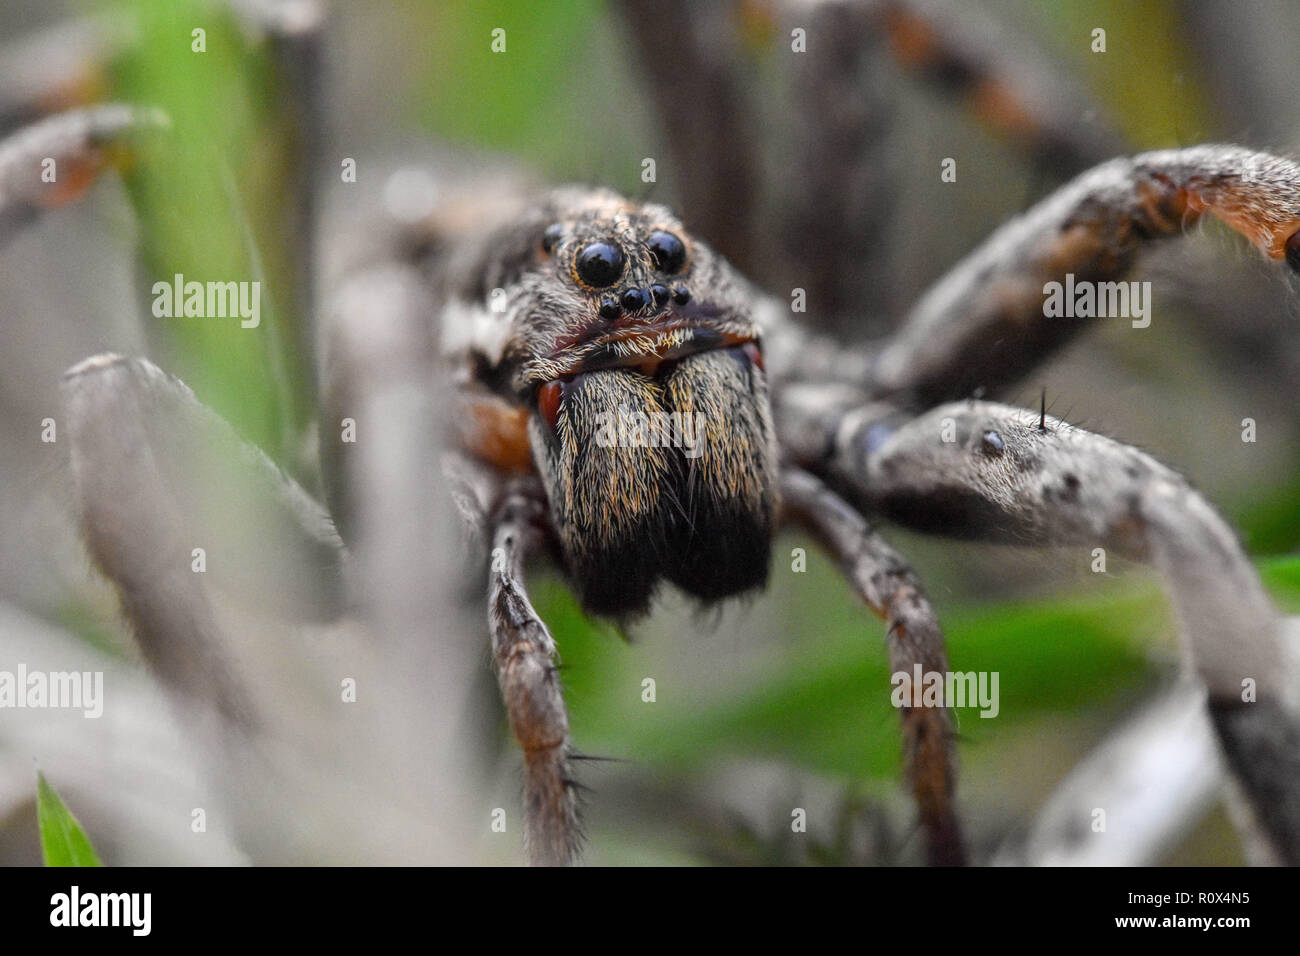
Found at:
[655, 299]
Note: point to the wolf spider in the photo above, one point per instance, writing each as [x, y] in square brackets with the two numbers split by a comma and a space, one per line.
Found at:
[555, 311]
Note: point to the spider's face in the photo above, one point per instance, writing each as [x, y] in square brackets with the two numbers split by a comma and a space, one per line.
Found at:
[649, 413]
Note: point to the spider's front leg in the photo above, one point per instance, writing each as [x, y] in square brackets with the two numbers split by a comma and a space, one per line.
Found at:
[893, 591]
[992, 318]
[82, 142]
[158, 477]
[1012, 476]
[524, 654]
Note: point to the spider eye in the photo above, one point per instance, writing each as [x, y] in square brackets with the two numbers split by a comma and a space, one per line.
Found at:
[553, 234]
[668, 252]
[599, 264]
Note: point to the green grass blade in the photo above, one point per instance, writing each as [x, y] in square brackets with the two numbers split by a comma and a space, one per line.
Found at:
[63, 842]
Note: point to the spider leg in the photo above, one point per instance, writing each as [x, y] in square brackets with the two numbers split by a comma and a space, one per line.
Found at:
[524, 653]
[689, 57]
[510, 514]
[79, 142]
[1024, 99]
[58, 67]
[985, 323]
[1013, 476]
[157, 475]
[893, 591]
[68, 64]
[1156, 775]
[840, 190]
[837, 196]
[379, 401]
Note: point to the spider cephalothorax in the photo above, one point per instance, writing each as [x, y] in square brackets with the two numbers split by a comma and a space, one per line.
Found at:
[633, 347]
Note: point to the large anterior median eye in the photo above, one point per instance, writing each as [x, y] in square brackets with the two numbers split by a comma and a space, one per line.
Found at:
[668, 251]
[599, 264]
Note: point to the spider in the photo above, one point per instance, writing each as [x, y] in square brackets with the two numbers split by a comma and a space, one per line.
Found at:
[611, 304]
[541, 321]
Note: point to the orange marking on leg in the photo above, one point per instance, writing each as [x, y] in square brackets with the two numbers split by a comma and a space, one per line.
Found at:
[1247, 208]
[75, 176]
[999, 106]
[495, 432]
[913, 39]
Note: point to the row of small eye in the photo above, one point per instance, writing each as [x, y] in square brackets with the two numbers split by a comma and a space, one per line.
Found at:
[600, 264]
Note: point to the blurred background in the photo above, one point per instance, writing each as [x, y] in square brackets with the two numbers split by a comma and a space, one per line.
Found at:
[771, 704]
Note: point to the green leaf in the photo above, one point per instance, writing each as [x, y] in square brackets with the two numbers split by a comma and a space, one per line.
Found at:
[63, 842]
[213, 204]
